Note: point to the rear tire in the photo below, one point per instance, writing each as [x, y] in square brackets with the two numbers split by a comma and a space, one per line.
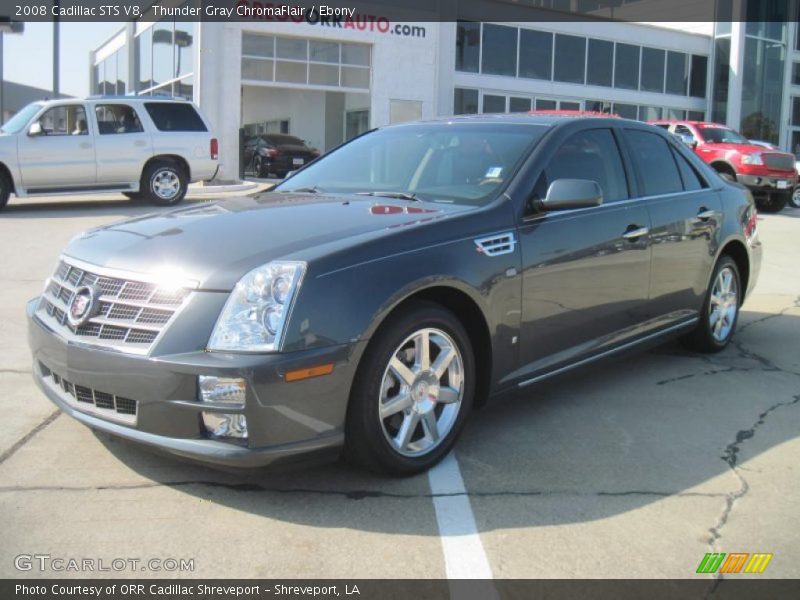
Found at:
[773, 203]
[164, 183]
[5, 189]
[409, 405]
[720, 312]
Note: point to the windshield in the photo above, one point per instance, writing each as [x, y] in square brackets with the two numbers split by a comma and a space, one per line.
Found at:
[19, 120]
[719, 135]
[462, 163]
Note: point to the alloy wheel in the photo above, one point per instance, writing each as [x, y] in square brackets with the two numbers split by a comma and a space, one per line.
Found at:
[421, 392]
[724, 304]
[166, 184]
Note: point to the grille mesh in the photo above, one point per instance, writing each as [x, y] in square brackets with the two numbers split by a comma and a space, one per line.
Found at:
[780, 162]
[130, 315]
[103, 401]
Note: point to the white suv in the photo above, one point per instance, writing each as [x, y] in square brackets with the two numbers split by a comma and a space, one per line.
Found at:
[142, 146]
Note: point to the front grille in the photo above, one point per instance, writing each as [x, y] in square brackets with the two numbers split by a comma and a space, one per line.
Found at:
[130, 314]
[90, 400]
[779, 162]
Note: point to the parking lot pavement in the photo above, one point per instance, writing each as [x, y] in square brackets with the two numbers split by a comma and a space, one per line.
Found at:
[633, 468]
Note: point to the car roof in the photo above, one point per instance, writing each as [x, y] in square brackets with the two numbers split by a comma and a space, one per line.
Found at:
[530, 118]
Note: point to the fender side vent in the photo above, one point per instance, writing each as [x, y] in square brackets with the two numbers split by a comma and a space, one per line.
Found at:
[497, 245]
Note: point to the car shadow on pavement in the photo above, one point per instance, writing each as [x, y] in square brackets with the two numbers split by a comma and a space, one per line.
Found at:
[596, 442]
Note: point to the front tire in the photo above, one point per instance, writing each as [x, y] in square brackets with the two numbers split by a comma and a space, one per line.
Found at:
[773, 203]
[720, 310]
[5, 189]
[794, 199]
[164, 183]
[413, 392]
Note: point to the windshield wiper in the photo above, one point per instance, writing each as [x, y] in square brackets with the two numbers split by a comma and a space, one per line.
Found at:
[398, 195]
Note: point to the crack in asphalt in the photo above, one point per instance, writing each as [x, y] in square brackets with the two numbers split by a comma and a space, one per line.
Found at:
[731, 457]
[357, 494]
[28, 436]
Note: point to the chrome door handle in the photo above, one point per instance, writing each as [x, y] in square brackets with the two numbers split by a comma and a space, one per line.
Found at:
[139, 143]
[632, 234]
[705, 214]
[86, 145]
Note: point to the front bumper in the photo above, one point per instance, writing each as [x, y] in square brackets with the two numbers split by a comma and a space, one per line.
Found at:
[769, 183]
[286, 421]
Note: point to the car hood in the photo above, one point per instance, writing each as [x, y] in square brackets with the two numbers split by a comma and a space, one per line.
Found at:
[747, 148]
[215, 244]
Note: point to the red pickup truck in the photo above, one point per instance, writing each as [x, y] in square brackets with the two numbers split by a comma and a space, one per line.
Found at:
[770, 175]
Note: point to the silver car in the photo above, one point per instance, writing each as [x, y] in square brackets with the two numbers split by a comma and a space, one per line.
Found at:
[147, 147]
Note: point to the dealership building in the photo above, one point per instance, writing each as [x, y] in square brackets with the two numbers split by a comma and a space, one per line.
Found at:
[326, 81]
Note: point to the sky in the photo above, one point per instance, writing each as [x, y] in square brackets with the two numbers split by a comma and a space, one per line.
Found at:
[28, 58]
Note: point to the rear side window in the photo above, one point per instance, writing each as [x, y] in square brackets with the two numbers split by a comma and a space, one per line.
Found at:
[174, 116]
[657, 166]
[117, 118]
[591, 154]
[691, 180]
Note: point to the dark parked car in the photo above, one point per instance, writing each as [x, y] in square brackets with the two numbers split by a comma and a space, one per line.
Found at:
[381, 293]
[276, 153]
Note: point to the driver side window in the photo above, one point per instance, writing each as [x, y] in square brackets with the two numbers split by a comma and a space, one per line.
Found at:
[593, 155]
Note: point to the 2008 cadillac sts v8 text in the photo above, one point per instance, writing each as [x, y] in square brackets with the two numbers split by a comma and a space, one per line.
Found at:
[378, 295]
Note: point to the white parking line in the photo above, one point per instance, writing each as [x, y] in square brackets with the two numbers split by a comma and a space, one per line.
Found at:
[464, 556]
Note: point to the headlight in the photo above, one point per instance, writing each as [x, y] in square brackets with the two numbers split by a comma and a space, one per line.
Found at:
[256, 311]
[752, 159]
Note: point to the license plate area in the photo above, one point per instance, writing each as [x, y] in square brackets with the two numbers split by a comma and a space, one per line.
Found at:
[297, 162]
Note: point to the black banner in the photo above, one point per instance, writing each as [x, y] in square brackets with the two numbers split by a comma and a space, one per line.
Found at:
[296, 589]
[395, 10]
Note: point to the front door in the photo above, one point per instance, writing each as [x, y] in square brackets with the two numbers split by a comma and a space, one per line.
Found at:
[586, 271]
[63, 155]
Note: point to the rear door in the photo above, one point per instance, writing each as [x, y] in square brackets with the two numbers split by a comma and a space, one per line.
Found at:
[685, 214]
[123, 146]
[62, 158]
[586, 271]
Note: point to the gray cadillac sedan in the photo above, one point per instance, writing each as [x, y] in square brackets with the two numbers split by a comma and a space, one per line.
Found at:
[372, 300]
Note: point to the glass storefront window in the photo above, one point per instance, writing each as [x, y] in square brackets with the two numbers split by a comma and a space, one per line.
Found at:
[626, 67]
[465, 102]
[544, 104]
[697, 84]
[600, 66]
[499, 56]
[494, 104]
[163, 54]
[626, 111]
[258, 45]
[290, 72]
[653, 62]
[649, 113]
[762, 89]
[122, 71]
[144, 60]
[184, 48]
[570, 59]
[323, 74]
[535, 54]
[519, 105]
[261, 70]
[355, 77]
[677, 73]
[468, 40]
[722, 62]
[291, 48]
[324, 52]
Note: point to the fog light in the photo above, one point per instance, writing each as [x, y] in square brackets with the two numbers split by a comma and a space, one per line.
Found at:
[225, 425]
[225, 390]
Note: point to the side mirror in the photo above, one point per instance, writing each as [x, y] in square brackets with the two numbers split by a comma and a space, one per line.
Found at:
[688, 140]
[35, 129]
[572, 193]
